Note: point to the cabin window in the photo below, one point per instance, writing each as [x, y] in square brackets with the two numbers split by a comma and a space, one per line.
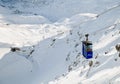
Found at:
[89, 47]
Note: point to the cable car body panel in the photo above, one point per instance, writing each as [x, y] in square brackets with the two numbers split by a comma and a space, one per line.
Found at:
[87, 49]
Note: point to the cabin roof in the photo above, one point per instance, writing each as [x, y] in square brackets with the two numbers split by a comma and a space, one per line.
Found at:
[87, 43]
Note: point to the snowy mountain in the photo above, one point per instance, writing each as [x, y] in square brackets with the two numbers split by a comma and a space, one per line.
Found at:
[41, 41]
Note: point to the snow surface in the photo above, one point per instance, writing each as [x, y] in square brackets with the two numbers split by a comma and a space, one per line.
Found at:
[49, 34]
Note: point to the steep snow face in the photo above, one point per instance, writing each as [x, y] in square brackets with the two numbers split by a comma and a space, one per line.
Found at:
[104, 31]
[50, 53]
[105, 68]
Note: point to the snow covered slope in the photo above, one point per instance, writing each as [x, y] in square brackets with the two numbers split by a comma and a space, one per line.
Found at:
[48, 34]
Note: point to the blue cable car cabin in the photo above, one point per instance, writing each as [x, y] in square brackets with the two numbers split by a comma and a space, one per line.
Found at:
[87, 48]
